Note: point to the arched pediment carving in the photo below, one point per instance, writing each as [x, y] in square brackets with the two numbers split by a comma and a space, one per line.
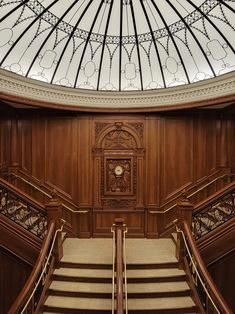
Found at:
[118, 136]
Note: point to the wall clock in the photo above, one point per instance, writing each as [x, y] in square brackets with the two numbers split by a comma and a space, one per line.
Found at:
[118, 170]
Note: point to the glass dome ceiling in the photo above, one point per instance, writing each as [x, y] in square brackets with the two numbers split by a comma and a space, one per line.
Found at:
[118, 45]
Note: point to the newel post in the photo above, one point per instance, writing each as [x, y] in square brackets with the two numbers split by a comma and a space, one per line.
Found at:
[54, 213]
[184, 213]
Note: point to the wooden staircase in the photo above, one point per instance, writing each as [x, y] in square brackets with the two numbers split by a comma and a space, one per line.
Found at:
[83, 282]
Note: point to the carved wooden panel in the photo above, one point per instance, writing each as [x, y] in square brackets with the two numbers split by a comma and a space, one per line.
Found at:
[116, 147]
[118, 176]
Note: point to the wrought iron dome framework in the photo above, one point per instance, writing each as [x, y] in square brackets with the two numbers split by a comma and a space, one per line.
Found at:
[118, 45]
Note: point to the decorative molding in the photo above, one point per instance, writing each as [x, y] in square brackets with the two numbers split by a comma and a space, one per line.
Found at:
[119, 139]
[118, 203]
[17, 88]
[99, 126]
[139, 128]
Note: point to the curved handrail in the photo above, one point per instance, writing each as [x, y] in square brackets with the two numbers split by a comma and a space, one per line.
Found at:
[207, 283]
[192, 194]
[38, 271]
[30, 283]
[48, 195]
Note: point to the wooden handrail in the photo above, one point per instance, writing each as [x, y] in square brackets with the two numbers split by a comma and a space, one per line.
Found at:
[47, 194]
[213, 198]
[119, 271]
[193, 193]
[208, 282]
[119, 229]
[30, 283]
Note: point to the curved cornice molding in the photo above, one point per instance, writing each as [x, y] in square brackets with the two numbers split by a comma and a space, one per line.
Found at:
[28, 91]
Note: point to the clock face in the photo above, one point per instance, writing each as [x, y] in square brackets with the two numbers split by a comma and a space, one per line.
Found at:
[118, 170]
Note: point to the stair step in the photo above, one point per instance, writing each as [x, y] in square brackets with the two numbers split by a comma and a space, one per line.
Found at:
[162, 304]
[153, 273]
[57, 304]
[105, 275]
[83, 272]
[65, 264]
[100, 290]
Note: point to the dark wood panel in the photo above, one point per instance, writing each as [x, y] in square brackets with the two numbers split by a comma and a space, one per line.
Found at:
[19, 241]
[13, 275]
[26, 145]
[103, 220]
[153, 170]
[60, 153]
[223, 274]
[38, 149]
[5, 140]
[176, 155]
[84, 161]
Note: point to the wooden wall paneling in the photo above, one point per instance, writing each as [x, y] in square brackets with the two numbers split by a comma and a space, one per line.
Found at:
[84, 223]
[5, 127]
[59, 171]
[85, 170]
[152, 162]
[140, 193]
[85, 175]
[176, 156]
[38, 148]
[13, 274]
[103, 220]
[61, 161]
[19, 241]
[223, 274]
[212, 127]
[15, 147]
[200, 148]
[152, 174]
[97, 181]
[26, 145]
[231, 143]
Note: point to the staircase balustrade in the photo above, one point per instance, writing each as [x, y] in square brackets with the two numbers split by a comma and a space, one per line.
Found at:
[213, 212]
[22, 209]
[189, 256]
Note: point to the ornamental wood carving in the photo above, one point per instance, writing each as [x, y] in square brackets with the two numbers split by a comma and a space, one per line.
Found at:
[119, 176]
[119, 139]
[117, 145]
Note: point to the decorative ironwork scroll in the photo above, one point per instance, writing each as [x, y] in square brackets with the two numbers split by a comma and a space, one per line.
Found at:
[213, 215]
[22, 213]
